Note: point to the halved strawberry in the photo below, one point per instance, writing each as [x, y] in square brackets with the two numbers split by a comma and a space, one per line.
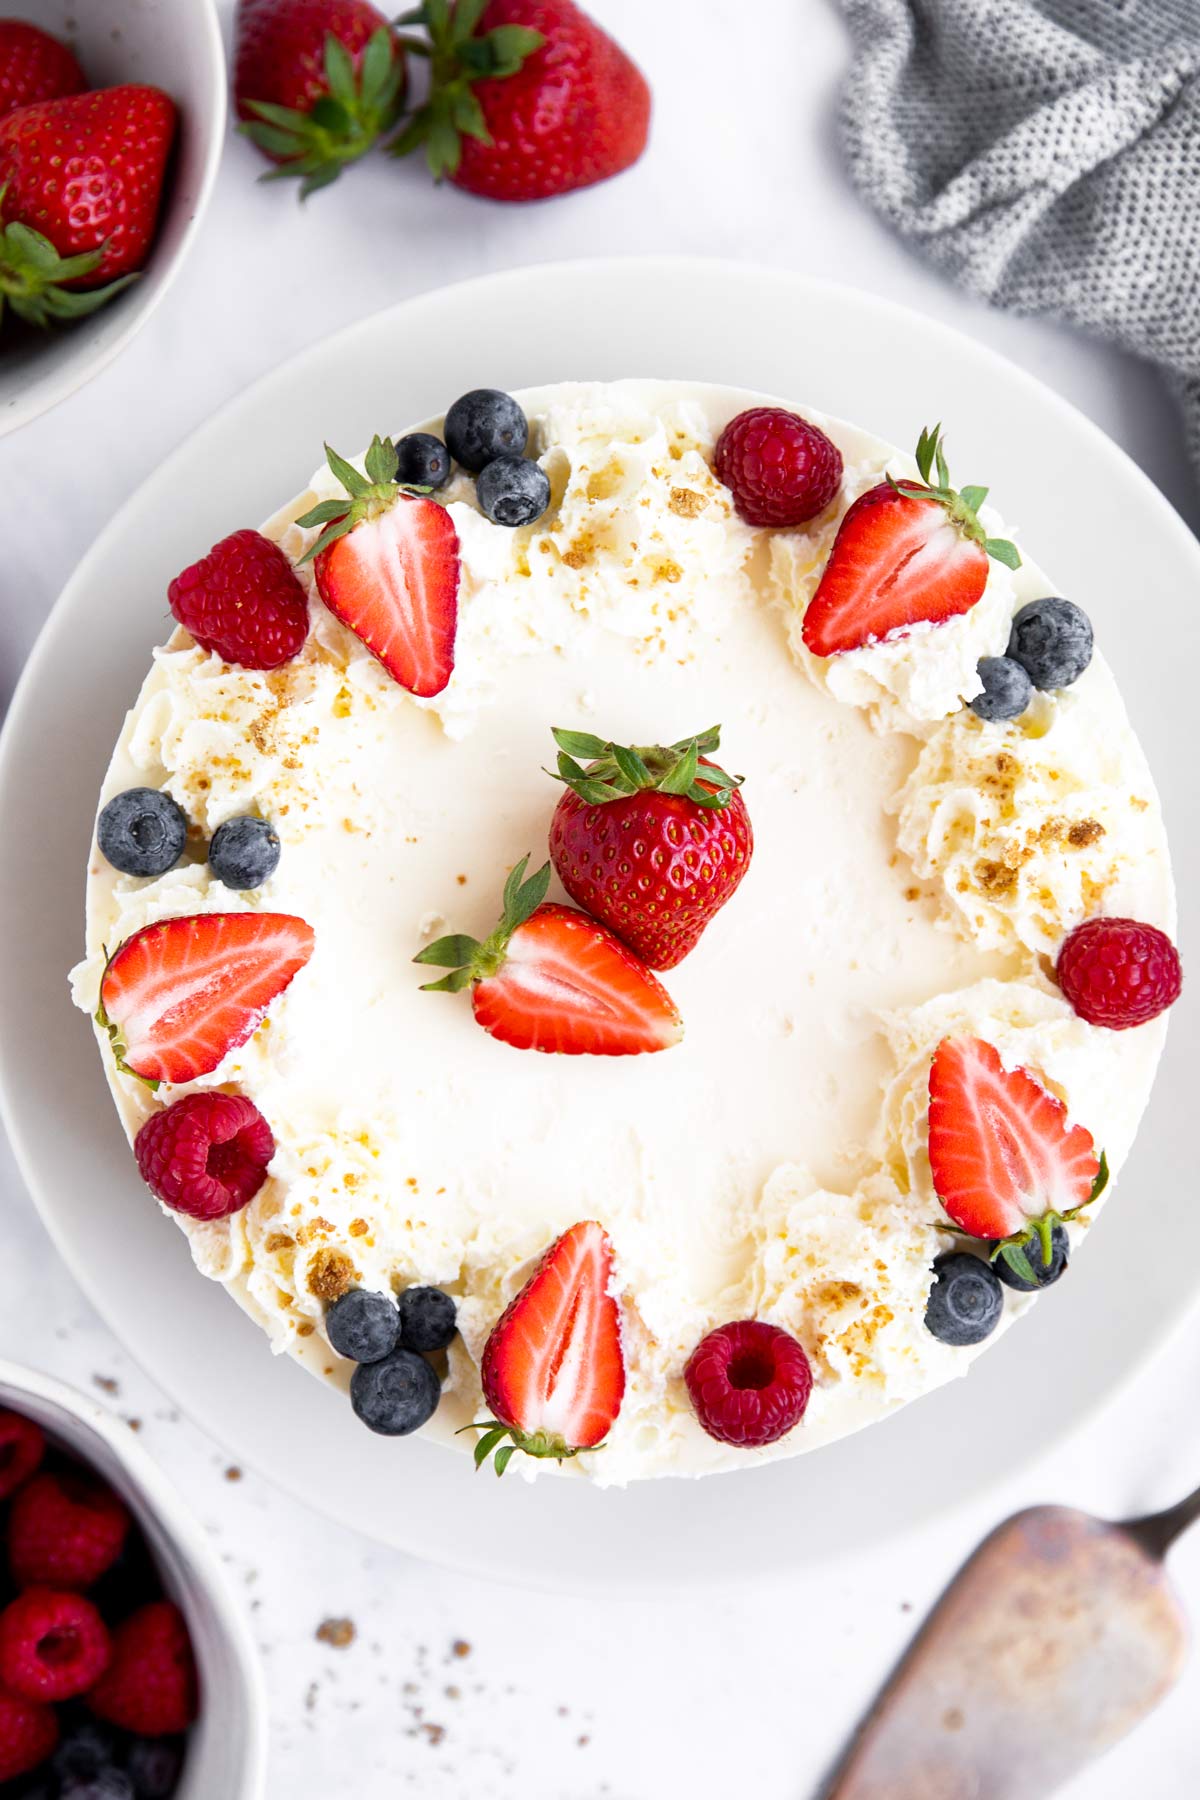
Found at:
[552, 1370]
[178, 996]
[1007, 1165]
[549, 978]
[906, 553]
[387, 566]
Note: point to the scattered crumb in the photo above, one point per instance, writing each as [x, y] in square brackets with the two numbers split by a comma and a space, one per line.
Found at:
[338, 1633]
[233, 1473]
[106, 1383]
[460, 1647]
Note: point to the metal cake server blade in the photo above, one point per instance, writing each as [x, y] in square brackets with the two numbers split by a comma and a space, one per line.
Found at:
[1056, 1637]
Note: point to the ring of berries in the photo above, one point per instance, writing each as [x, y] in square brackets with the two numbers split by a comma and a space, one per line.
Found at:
[1118, 972]
[749, 1383]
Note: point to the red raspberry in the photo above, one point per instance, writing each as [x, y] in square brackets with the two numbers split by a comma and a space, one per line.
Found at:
[749, 1382]
[207, 1155]
[28, 1735]
[780, 469]
[22, 1447]
[243, 601]
[150, 1687]
[1117, 972]
[65, 1531]
[52, 1645]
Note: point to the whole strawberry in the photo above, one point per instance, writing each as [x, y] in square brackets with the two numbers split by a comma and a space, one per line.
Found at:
[652, 841]
[528, 99]
[34, 66]
[80, 185]
[316, 82]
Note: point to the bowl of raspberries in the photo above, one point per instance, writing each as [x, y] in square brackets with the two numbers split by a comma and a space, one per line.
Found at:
[112, 116]
[126, 1671]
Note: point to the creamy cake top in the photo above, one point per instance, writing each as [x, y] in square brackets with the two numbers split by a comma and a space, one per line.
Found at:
[914, 867]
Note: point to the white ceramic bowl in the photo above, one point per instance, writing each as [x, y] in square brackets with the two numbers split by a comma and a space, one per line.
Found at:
[227, 1747]
[172, 44]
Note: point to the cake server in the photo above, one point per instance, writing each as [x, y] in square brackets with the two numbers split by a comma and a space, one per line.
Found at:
[1056, 1637]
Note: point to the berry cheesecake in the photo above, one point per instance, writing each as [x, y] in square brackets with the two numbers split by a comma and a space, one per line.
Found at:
[629, 927]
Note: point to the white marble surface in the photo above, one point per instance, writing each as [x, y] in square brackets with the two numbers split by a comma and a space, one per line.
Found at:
[749, 1692]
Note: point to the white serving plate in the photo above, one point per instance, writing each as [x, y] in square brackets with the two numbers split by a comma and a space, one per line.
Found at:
[171, 44]
[1086, 513]
[227, 1747]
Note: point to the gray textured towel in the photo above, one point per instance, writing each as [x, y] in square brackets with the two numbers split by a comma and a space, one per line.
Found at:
[1046, 155]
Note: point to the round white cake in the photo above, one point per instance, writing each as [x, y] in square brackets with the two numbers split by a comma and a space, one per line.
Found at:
[915, 871]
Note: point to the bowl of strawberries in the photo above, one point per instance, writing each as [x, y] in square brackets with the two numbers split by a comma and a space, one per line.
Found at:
[126, 1670]
[112, 117]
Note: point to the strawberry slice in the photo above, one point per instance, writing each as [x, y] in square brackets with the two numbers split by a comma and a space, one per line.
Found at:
[906, 553]
[552, 1370]
[1007, 1165]
[550, 978]
[387, 566]
[178, 996]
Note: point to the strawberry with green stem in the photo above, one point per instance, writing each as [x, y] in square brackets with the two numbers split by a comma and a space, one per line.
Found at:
[527, 98]
[653, 840]
[549, 978]
[906, 553]
[81, 182]
[1007, 1164]
[387, 565]
[553, 1370]
[317, 83]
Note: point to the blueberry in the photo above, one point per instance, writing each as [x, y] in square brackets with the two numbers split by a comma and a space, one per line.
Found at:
[428, 1318]
[154, 1766]
[483, 425]
[110, 1784]
[1044, 1277]
[1052, 641]
[397, 1395]
[424, 460]
[965, 1301]
[142, 831]
[84, 1752]
[363, 1325]
[1007, 689]
[243, 853]
[513, 491]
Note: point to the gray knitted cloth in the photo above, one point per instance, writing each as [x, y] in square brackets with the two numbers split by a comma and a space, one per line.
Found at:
[1046, 155]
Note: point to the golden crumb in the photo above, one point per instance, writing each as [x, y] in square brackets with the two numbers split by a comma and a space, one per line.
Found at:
[330, 1273]
[1084, 832]
[279, 1240]
[996, 878]
[358, 1228]
[686, 503]
[338, 1633]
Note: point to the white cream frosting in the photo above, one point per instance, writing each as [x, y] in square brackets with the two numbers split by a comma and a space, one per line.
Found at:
[773, 1164]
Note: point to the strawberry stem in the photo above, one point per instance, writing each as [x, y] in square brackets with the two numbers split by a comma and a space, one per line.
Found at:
[614, 771]
[458, 58]
[342, 124]
[34, 278]
[469, 960]
[370, 495]
[962, 505]
[541, 1444]
[1014, 1249]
